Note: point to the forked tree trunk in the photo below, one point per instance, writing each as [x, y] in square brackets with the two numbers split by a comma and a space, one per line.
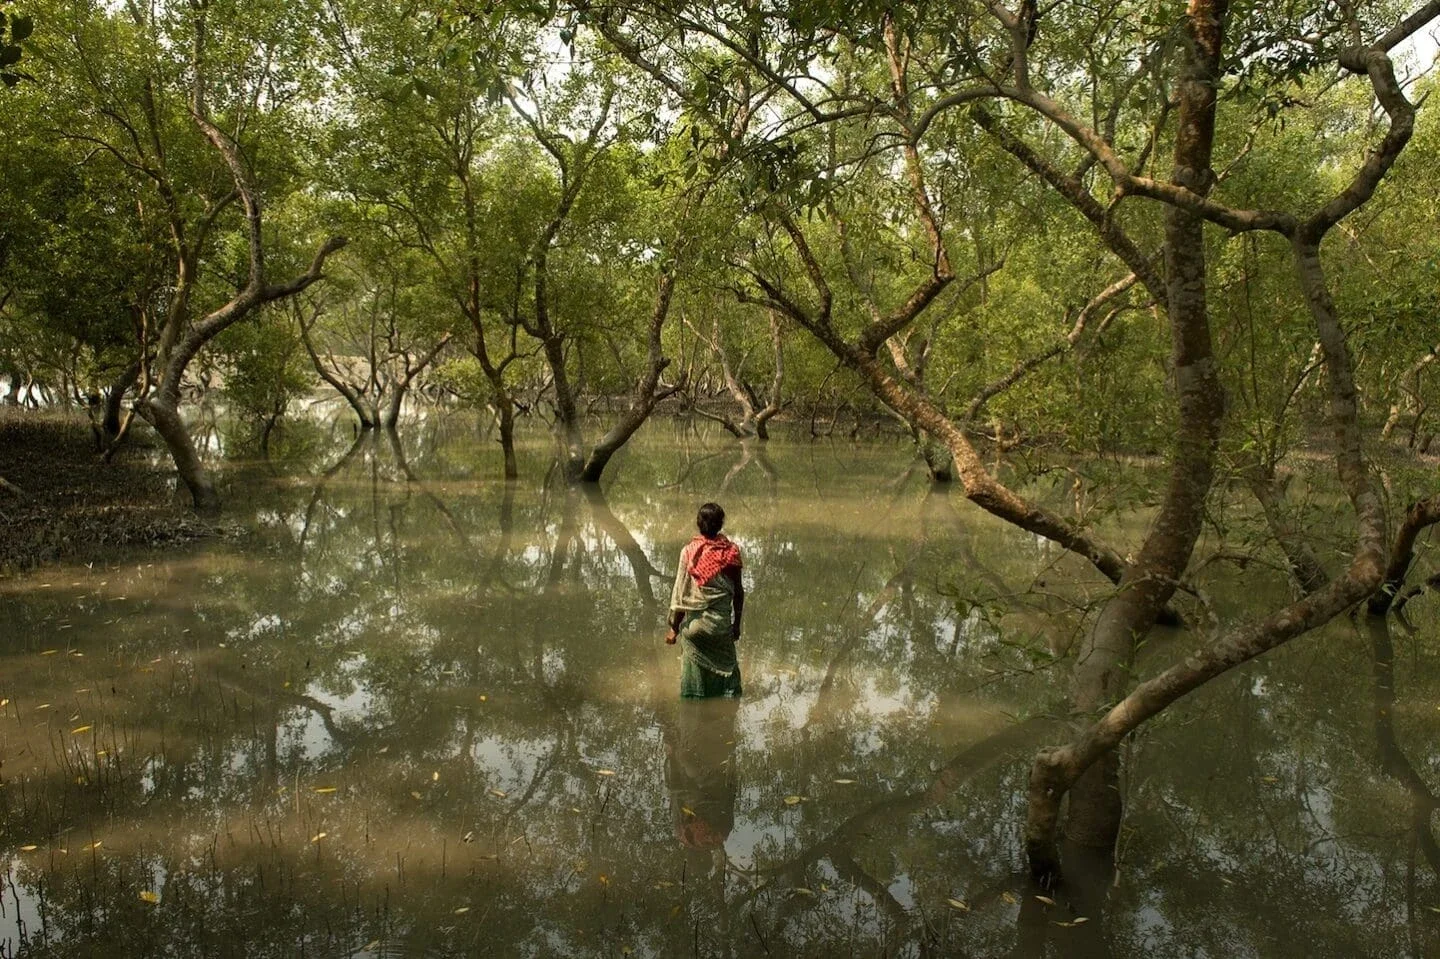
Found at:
[1102, 662]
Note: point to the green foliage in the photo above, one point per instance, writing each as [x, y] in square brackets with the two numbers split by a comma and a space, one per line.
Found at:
[265, 368]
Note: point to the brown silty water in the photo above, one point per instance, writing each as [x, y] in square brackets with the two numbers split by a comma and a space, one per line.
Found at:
[416, 711]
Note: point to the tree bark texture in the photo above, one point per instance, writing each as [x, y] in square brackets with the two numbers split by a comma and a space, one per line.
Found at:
[1102, 661]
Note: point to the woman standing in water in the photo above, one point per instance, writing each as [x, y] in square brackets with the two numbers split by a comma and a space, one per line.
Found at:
[705, 609]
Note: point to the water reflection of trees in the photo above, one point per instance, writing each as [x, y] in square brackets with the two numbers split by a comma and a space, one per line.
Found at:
[474, 669]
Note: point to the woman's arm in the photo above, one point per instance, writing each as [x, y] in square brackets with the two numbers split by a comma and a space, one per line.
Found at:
[733, 574]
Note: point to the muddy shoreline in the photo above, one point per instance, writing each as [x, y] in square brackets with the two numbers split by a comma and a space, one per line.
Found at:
[63, 505]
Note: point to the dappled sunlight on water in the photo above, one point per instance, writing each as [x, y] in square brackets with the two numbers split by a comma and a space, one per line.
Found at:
[417, 711]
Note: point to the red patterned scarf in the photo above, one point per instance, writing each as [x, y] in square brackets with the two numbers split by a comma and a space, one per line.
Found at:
[711, 556]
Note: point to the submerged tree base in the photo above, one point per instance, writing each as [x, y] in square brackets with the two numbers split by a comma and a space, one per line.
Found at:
[76, 508]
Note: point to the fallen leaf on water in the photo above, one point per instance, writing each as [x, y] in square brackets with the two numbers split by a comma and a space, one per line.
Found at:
[1009, 898]
[604, 772]
[319, 836]
[415, 794]
[4, 703]
[675, 910]
[500, 793]
[484, 698]
[1046, 900]
[49, 652]
[1270, 779]
[435, 776]
[151, 897]
[326, 789]
[844, 782]
[96, 844]
[370, 946]
[42, 706]
[28, 848]
[794, 800]
[802, 891]
[604, 879]
[462, 910]
[959, 904]
[468, 837]
[687, 810]
[80, 729]
[383, 750]
[1081, 920]
[574, 808]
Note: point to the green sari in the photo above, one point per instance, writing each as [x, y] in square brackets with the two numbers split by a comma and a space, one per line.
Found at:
[708, 664]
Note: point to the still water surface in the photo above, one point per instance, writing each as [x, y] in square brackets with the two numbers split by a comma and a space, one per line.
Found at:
[416, 711]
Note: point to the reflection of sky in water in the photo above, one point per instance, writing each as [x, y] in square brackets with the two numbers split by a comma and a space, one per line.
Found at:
[451, 673]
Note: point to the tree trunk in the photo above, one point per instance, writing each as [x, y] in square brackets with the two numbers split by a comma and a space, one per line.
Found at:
[167, 422]
[505, 413]
[1102, 662]
[114, 401]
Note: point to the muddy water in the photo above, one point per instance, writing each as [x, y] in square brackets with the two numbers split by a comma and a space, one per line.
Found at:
[417, 712]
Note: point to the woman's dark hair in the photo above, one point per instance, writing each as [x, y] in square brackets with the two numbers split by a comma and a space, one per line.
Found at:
[710, 519]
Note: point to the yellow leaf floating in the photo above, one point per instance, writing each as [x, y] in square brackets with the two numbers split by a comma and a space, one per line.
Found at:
[435, 776]
[1009, 898]
[1270, 780]
[802, 891]
[323, 790]
[605, 772]
[498, 792]
[319, 836]
[844, 782]
[687, 810]
[415, 794]
[151, 897]
[1046, 900]
[80, 729]
[462, 910]
[794, 800]
[959, 904]
[28, 848]
[96, 844]
[49, 652]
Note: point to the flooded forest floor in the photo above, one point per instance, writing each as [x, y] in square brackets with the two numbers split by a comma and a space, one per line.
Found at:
[60, 504]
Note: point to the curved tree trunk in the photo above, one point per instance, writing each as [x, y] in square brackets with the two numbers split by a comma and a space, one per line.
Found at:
[165, 418]
[115, 402]
[1102, 661]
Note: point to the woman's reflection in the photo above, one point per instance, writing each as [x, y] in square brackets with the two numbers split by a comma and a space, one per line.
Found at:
[700, 775]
